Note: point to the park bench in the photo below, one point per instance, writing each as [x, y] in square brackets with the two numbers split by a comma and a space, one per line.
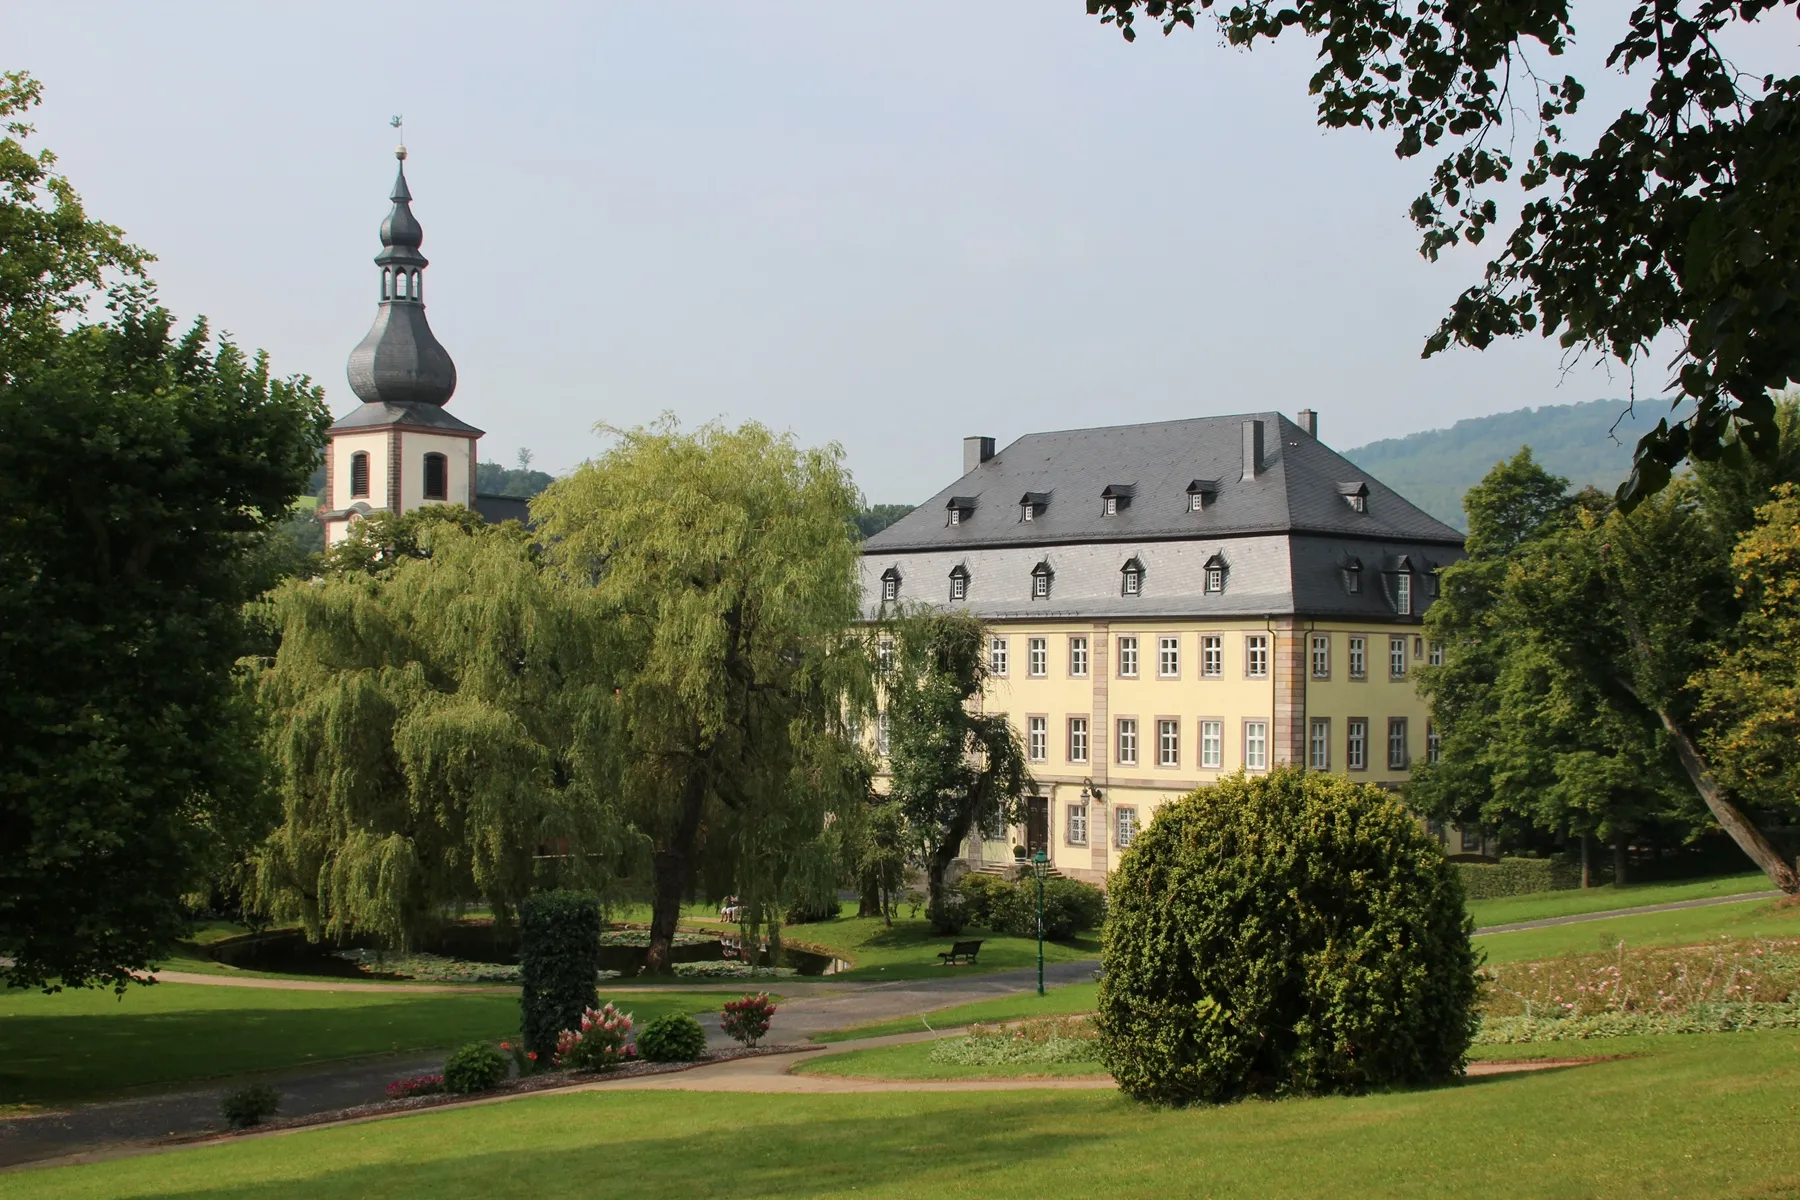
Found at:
[963, 950]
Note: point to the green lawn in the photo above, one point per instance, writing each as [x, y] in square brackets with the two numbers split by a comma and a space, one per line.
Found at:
[1073, 998]
[81, 1045]
[1685, 926]
[909, 949]
[1510, 909]
[1711, 1117]
[913, 1061]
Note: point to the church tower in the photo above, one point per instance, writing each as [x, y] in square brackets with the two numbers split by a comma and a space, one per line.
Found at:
[401, 449]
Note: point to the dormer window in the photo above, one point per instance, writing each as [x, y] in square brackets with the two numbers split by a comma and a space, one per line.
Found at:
[1040, 580]
[960, 509]
[1352, 574]
[1032, 505]
[1215, 574]
[1355, 494]
[959, 582]
[1431, 580]
[890, 585]
[1201, 493]
[1131, 578]
[1109, 506]
[1115, 497]
[1403, 594]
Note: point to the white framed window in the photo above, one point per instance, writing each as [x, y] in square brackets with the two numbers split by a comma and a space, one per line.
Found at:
[959, 586]
[1318, 746]
[1131, 581]
[1403, 594]
[1436, 653]
[1196, 501]
[1076, 825]
[1168, 657]
[1128, 658]
[1256, 656]
[1397, 658]
[1037, 657]
[1078, 739]
[1127, 741]
[1109, 506]
[884, 654]
[1321, 656]
[1125, 826]
[1168, 743]
[1353, 580]
[956, 516]
[1357, 503]
[1356, 744]
[1212, 744]
[1038, 738]
[1397, 759]
[997, 656]
[1256, 745]
[1212, 656]
[890, 586]
[1359, 658]
[1434, 743]
[881, 735]
[1215, 579]
[1078, 657]
[1040, 585]
[1028, 511]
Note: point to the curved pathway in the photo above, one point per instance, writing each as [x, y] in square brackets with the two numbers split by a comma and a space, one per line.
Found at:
[1672, 906]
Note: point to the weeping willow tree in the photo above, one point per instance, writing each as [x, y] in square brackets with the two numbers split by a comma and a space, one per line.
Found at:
[725, 566]
[438, 714]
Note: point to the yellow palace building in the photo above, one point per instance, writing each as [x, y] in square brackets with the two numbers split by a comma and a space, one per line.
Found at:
[1172, 602]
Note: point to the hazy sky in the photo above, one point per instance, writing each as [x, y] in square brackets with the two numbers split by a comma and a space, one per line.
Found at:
[886, 225]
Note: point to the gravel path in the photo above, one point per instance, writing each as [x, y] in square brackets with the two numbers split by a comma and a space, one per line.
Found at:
[1672, 906]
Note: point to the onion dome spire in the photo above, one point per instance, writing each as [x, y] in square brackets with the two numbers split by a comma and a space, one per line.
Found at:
[400, 360]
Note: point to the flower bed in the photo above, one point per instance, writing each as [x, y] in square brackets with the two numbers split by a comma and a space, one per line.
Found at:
[1044, 1040]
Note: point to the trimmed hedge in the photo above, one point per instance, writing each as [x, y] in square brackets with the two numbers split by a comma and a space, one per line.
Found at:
[1517, 877]
[1290, 934]
[476, 1067]
[993, 903]
[559, 961]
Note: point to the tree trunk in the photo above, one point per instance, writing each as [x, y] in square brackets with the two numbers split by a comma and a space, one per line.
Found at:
[672, 870]
[1621, 861]
[937, 867]
[1748, 837]
[870, 903]
[1587, 861]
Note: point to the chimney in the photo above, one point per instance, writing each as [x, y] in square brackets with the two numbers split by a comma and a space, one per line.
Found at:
[976, 450]
[1253, 448]
[1309, 421]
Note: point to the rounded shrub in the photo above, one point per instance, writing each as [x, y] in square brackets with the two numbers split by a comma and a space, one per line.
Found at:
[1293, 933]
[476, 1067]
[249, 1106]
[676, 1037]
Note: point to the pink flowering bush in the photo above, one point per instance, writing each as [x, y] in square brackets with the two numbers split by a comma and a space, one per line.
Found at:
[747, 1020]
[600, 1044]
[417, 1085]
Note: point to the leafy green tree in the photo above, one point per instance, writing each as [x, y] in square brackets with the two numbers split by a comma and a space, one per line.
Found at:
[951, 767]
[724, 565]
[438, 713]
[1751, 696]
[1684, 216]
[877, 517]
[140, 477]
[878, 852]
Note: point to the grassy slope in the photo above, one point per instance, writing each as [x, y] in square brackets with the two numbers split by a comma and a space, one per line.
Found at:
[83, 1045]
[1075, 998]
[909, 950]
[1689, 1121]
[1686, 926]
[1509, 909]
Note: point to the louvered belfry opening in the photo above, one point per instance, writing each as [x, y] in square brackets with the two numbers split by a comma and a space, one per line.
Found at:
[437, 482]
[359, 474]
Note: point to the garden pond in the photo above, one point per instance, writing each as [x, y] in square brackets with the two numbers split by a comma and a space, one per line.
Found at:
[482, 952]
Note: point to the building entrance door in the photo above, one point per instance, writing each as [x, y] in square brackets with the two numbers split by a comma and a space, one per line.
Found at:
[1037, 825]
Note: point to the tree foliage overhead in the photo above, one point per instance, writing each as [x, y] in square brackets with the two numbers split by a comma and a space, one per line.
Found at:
[1683, 216]
[952, 768]
[437, 715]
[724, 564]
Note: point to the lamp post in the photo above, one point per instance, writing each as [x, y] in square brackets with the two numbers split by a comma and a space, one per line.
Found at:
[1039, 867]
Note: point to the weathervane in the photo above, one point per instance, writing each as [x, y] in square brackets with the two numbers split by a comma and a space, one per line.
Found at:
[397, 122]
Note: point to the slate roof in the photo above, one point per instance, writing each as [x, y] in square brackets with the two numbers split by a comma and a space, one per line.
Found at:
[379, 415]
[1298, 490]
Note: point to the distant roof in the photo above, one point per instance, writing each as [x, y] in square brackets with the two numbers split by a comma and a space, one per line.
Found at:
[426, 416]
[1298, 488]
[495, 509]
